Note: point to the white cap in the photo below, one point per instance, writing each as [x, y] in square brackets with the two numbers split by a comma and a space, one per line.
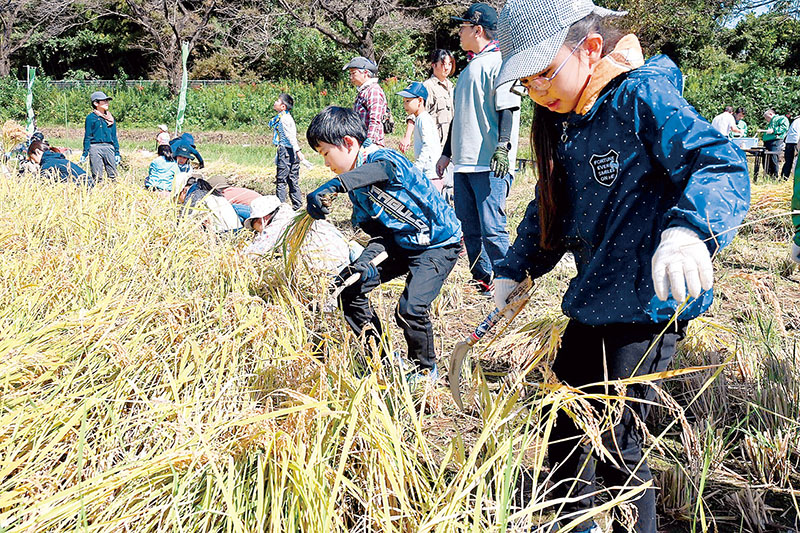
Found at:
[163, 127]
[261, 207]
[531, 32]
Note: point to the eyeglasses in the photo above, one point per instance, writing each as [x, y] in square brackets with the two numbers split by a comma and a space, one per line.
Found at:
[541, 83]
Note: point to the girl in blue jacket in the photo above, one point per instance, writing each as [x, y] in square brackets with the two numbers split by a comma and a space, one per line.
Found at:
[641, 190]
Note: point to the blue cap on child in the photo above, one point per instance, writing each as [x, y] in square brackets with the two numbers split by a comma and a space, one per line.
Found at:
[414, 90]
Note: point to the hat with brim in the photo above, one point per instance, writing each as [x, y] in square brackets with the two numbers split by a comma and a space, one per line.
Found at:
[414, 90]
[530, 33]
[361, 63]
[262, 207]
[163, 127]
[479, 14]
[99, 95]
[183, 151]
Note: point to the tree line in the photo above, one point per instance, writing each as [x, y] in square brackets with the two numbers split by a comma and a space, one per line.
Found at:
[254, 40]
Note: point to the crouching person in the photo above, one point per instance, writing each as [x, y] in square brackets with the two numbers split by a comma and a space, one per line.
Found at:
[54, 164]
[198, 195]
[403, 214]
[324, 248]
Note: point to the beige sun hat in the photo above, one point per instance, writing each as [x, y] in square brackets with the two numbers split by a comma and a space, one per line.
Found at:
[261, 207]
[531, 32]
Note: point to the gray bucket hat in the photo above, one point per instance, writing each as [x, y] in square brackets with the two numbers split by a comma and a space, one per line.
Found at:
[531, 32]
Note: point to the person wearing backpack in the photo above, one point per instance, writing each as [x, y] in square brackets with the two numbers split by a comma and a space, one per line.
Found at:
[370, 101]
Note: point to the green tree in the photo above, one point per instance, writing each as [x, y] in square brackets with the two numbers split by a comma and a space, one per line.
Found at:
[768, 40]
[682, 29]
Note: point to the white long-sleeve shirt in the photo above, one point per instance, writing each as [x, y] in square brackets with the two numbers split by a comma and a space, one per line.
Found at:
[427, 148]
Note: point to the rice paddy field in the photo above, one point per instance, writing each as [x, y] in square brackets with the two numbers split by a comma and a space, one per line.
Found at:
[154, 378]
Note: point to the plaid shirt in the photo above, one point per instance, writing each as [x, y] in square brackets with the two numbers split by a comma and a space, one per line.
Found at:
[370, 105]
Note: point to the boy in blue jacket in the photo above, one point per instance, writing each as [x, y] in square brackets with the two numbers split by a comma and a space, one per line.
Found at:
[641, 190]
[100, 142]
[403, 214]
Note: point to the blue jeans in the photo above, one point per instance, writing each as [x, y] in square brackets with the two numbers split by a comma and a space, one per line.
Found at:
[480, 202]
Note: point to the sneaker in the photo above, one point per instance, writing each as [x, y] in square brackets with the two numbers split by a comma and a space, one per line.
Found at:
[422, 377]
[593, 529]
[484, 288]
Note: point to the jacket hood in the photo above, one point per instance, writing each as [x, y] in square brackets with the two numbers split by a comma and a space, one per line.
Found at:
[660, 65]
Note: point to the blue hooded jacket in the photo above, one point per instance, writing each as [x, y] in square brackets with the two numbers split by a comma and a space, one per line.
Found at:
[406, 206]
[187, 140]
[65, 170]
[640, 161]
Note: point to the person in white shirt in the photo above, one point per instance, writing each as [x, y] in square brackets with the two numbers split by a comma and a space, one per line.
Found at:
[324, 249]
[427, 147]
[790, 148]
[725, 123]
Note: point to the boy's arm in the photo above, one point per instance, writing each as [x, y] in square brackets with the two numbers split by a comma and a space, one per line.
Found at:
[367, 174]
[500, 163]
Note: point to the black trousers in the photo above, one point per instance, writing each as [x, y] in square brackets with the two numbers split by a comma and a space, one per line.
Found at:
[425, 272]
[628, 350]
[288, 175]
[788, 159]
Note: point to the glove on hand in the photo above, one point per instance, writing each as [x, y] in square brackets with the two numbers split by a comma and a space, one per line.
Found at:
[681, 261]
[117, 159]
[316, 200]
[503, 287]
[441, 165]
[367, 270]
[795, 253]
[499, 162]
[82, 159]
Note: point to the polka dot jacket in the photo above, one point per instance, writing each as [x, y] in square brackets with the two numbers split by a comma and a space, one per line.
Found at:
[640, 161]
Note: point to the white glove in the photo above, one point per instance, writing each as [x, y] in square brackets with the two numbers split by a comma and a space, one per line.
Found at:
[681, 261]
[794, 257]
[503, 287]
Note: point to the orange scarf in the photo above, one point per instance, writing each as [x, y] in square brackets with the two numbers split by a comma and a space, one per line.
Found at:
[626, 56]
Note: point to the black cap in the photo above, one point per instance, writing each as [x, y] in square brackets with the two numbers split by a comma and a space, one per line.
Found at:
[480, 14]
